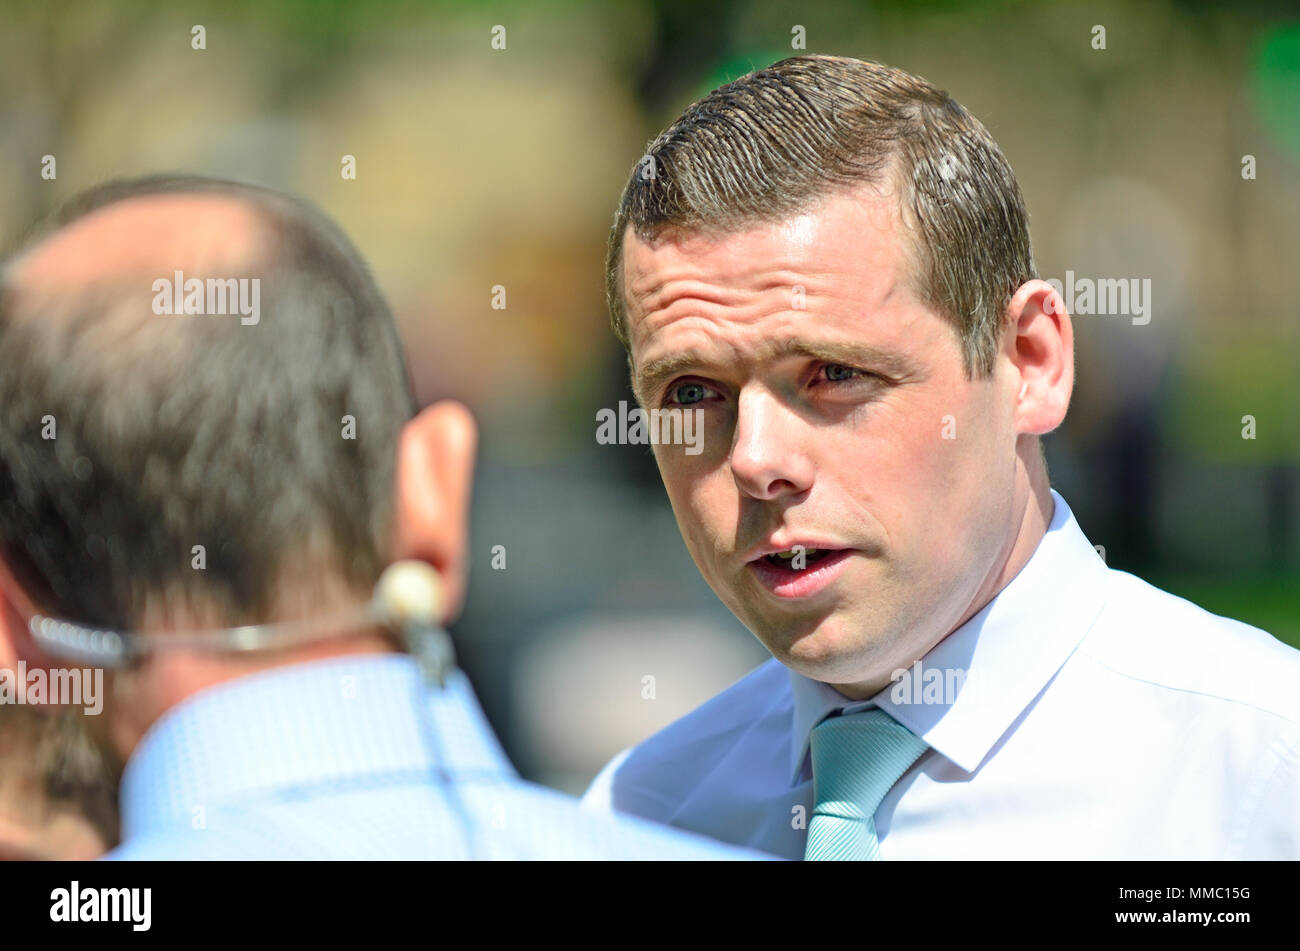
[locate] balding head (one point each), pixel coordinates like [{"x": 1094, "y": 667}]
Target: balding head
[
  {"x": 113, "y": 254},
  {"x": 150, "y": 459},
  {"x": 145, "y": 236}
]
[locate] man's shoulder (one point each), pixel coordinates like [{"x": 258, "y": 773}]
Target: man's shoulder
[
  {"x": 649, "y": 779},
  {"x": 507, "y": 819},
  {"x": 1148, "y": 634}
]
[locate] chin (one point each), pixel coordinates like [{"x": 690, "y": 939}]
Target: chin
[{"x": 831, "y": 650}]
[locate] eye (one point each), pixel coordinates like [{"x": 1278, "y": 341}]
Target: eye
[
  {"x": 837, "y": 372},
  {"x": 684, "y": 394}
]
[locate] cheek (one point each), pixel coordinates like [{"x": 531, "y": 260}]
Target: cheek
[
  {"x": 959, "y": 440},
  {"x": 698, "y": 495},
  {"x": 969, "y": 469},
  {"x": 983, "y": 454},
  {"x": 926, "y": 469}
]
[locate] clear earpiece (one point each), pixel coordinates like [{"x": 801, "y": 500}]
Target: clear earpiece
[{"x": 408, "y": 600}]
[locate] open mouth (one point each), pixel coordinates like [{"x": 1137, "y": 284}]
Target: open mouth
[
  {"x": 799, "y": 572},
  {"x": 799, "y": 559}
]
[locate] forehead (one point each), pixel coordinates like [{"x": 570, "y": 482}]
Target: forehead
[
  {"x": 848, "y": 257},
  {"x": 850, "y": 243}
]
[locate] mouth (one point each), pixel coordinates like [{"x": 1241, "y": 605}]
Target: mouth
[{"x": 800, "y": 571}]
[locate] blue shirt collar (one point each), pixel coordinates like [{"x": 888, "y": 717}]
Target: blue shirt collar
[
  {"x": 346, "y": 720},
  {"x": 1008, "y": 650}
]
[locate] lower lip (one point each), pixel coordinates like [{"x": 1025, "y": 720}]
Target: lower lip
[{"x": 787, "y": 583}]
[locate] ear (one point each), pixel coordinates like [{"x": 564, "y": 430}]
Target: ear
[
  {"x": 9, "y": 626},
  {"x": 16, "y": 610},
  {"x": 1039, "y": 343},
  {"x": 435, "y": 473}
]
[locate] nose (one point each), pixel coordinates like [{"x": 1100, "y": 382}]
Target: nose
[{"x": 768, "y": 452}]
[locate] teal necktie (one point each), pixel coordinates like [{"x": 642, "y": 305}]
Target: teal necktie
[{"x": 855, "y": 759}]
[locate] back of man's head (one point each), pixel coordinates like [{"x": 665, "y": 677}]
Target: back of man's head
[{"x": 154, "y": 463}]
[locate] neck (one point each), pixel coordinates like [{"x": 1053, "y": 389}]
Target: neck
[
  {"x": 1031, "y": 515},
  {"x": 139, "y": 697}
]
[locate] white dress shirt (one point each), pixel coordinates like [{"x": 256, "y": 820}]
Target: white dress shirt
[{"x": 1098, "y": 717}]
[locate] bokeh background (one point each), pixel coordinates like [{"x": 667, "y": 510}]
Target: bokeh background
[{"x": 479, "y": 167}]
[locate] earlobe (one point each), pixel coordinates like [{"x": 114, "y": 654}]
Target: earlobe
[{"x": 435, "y": 474}]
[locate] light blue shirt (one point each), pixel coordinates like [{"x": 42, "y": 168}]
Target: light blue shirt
[
  {"x": 1094, "y": 717},
  {"x": 354, "y": 758}
]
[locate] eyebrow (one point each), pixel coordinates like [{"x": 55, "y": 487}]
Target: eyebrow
[{"x": 885, "y": 362}]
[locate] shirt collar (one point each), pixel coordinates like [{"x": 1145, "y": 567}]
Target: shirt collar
[
  {"x": 345, "y": 720},
  {"x": 1009, "y": 650}
]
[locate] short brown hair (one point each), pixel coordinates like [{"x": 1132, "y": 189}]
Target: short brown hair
[{"x": 765, "y": 146}]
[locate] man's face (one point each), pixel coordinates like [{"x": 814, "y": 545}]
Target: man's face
[{"x": 837, "y": 416}]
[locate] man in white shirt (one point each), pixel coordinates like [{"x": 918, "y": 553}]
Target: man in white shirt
[{"x": 828, "y": 262}]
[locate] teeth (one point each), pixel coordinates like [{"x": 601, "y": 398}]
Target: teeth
[{"x": 787, "y": 555}]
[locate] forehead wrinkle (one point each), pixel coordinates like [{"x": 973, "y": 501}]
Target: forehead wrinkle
[
  {"x": 767, "y": 292},
  {"x": 679, "y": 279},
  {"x": 741, "y": 272},
  {"x": 788, "y": 340},
  {"x": 658, "y": 291},
  {"x": 725, "y": 259},
  {"x": 840, "y": 214},
  {"x": 770, "y": 297}
]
